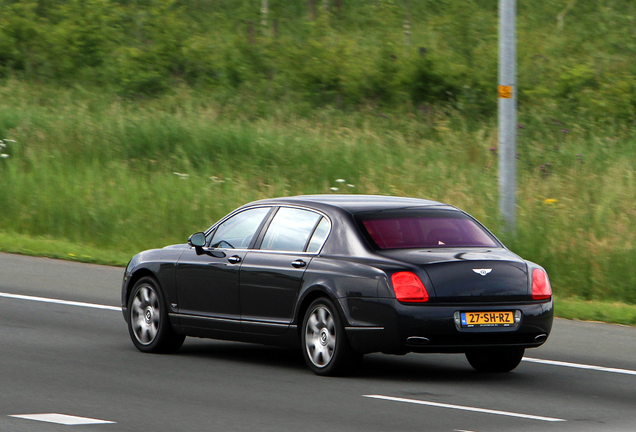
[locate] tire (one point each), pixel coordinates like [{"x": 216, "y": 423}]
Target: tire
[
  {"x": 148, "y": 322},
  {"x": 502, "y": 359},
  {"x": 325, "y": 346}
]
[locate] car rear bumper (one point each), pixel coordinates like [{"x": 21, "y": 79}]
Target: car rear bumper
[{"x": 400, "y": 328}]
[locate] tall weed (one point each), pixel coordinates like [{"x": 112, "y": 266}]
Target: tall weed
[{"x": 94, "y": 169}]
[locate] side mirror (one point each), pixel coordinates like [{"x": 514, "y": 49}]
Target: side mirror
[{"x": 197, "y": 240}]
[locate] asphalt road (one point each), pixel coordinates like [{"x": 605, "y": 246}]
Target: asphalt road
[{"x": 78, "y": 361}]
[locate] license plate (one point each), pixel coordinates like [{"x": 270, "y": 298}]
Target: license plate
[{"x": 488, "y": 319}]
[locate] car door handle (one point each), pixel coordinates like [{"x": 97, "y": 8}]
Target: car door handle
[
  {"x": 298, "y": 263},
  {"x": 234, "y": 259}
]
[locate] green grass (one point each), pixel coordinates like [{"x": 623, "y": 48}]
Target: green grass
[
  {"x": 610, "y": 312},
  {"x": 93, "y": 170},
  {"x": 60, "y": 249}
]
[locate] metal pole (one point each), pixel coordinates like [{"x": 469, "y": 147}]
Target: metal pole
[
  {"x": 264, "y": 13},
  {"x": 407, "y": 23},
  {"x": 507, "y": 113}
]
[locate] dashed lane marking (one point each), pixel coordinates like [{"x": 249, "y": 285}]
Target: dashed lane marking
[
  {"x": 61, "y": 419},
  {"x": 465, "y": 408},
  {"x": 579, "y": 366},
  {"x": 57, "y": 301}
]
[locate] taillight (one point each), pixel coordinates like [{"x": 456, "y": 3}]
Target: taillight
[
  {"x": 541, "y": 289},
  {"x": 408, "y": 287}
]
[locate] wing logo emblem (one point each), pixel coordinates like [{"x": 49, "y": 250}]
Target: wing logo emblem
[{"x": 482, "y": 272}]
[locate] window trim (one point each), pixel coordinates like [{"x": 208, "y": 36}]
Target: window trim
[
  {"x": 257, "y": 246},
  {"x": 265, "y": 220},
  {"x": 313, "y": 232}
]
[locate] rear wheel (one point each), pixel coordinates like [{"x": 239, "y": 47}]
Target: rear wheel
[
  {"x": 325, "y": 345},
  {"x": 501, "y": 359},
  {"x": 148, "y": 322}
]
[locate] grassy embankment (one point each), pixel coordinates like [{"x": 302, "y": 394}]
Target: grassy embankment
[
  {"x": 97, "y": 179},
  {"x": 232, "y": 112}
]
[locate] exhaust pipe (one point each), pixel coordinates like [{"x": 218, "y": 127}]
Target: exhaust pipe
[{"x": 417, "y": 340}]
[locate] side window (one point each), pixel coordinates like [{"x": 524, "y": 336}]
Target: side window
[
  {"x": 319, "y": 236},
  {"x": 238, "y": 231},
  {"x": 290, "y": 229}
]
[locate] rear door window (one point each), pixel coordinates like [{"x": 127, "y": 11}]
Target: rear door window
[
  {"x": 290, "y": 230},
  {"x": 319, "y": 237}
]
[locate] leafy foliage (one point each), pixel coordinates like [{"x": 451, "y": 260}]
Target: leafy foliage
[{"x": 576, "y": 55}]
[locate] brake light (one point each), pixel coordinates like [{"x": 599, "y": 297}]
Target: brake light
[
  {"x": 541, "y": 289},
  {"x": 408, "y": 287}
]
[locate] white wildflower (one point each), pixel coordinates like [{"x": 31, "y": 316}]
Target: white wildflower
[
  {"x": 340, "y": 181},
  {"x": 350, "y": 185},
  {"x": 335, "y": 189},
  {"x": 4, "y": 155}
]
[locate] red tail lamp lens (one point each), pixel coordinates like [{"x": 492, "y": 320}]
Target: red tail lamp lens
[
  {"x": 541, "y": 289},
  {"x": 408, "y": 287}
]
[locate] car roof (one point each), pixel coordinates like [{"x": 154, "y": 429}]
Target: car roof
[{"x": 354, "y": 203}]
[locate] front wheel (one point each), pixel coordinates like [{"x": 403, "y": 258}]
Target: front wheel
[
  {"x": 148, "y": 322},
  {"x": 503, "y": 359},
  {"x": 325, "y": 345}
]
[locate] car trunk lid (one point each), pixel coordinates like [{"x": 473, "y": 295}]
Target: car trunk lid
[{"x": 470, "y": 276}]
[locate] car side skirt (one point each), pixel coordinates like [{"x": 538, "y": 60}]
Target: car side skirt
[{"x": 231, "y": 330}]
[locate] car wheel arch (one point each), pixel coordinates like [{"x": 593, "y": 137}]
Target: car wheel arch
[
  {"x": 308, "y": 297},
  {"x": 138, "y": 274}
]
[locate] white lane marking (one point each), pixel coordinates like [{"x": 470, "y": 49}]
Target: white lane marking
[
  {"x": 118, "y": 309},
  {"x": 64, "y": 302},
  {"x": 579, "y": 366},
  {"x": 61, "y": 419},
  {"x": 465, "y": 408}
]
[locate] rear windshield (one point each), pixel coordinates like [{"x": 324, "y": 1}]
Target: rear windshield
[{"x": 405, "y": 229}]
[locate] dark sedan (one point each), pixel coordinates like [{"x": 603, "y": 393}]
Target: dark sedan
[{"x": 342, "y": 276}]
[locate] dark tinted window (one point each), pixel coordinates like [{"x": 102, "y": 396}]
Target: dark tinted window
[
  {"x": 424, "y": 229},
  {"x": 290, "y": 230},
  {"x": 238, "y": 231}
]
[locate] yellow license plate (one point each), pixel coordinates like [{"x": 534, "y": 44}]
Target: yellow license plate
[{"x": 488, "y": 319}]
